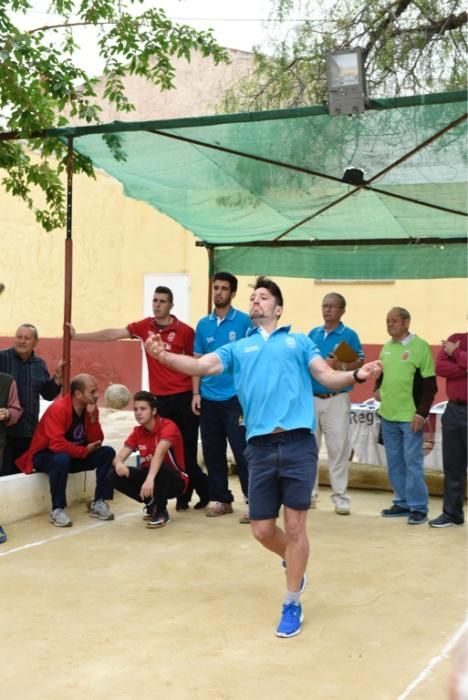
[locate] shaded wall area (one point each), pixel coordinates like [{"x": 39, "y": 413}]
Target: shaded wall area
[{"x": 120, "y": 362}]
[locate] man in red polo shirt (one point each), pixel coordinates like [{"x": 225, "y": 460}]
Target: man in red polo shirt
[
  {"x": 173, "y": 389},
  {"x": 160, "y": 474}
]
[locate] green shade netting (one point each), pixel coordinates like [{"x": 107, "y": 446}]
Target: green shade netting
[{"x": 233, "y": 200}]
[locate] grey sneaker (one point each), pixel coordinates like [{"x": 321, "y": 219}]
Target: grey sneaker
[
  {"x": 59, "y": 518},
  {"x": 100, "y": 509}
]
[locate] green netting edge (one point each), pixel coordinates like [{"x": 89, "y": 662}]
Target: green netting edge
[
  {"x": 385, "y": 103},
  {"x": 413, "y": 261}
]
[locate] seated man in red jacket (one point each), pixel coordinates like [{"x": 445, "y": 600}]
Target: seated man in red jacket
[
  {"x": 68, "y": 439},
  {"x": 161, "y": 471}
]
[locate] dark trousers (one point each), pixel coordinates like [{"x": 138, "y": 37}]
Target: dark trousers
[
  {"x": 58, "y": 465},
  {"x": 178, "y": 407},
  {"x": 220, "y": 421},
  {"x": 167, "y": 484},
  {"x": 15, "y": 447},
  {"x": 454, "y": 453}
]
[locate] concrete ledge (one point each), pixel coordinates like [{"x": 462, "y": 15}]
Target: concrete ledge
[
  {"x": 25, "y": 495},
  {"x": 370, "y": 476}
]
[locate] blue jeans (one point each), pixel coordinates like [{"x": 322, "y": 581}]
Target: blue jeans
[
  {"x": 58, "y": 465},
  {"x": 219, "y": 422},
  {"x": 405, "y": 461}
]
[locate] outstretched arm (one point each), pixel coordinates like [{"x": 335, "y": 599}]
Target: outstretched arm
[
  {"x": 335, "y": 380},
  {"x": 193, "y": 366},
  {"x": 105, "y": 335}
]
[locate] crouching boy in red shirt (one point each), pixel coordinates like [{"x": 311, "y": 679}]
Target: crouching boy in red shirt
[{"x": 160, "y": 474}]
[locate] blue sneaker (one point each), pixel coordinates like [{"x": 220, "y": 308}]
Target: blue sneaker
[
  {"x": 303, "y": 580},
  {"x": 3, "y": 535},
  {"x": 291, "y": 621}
]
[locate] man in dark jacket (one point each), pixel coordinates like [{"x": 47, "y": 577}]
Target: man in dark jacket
[
  {"x": 33, "y": 380},
  {"x": 68, "y": 439}
]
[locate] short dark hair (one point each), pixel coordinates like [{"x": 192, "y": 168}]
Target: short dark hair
[
  {"x": 339, "y": 297},
  {"x": 403, "y": 313},
  {"x": 272, "y": 287},
  {"x": 77, "y": 384},
  {"x": 164, "y": 290},
  {"x": 148, "y": 397},
  {"x": 227, "y": 277}
]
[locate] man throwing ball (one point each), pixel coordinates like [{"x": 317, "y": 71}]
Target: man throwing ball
[{"x": 272, "y": 370}]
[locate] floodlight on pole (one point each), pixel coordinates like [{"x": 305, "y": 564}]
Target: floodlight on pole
[{"x": 346, "y": 82}]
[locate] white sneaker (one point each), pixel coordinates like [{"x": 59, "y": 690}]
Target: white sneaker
[
  {"x": 59, "y": 518},
  {"x": 342, "y": 508}
]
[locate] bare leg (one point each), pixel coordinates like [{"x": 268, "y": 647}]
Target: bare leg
[
  {"x": 292, "y": 545},
  {"x": 270, "y": 535},
  {"x": 297, "y": 547}
]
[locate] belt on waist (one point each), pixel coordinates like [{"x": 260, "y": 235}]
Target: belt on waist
[
  {"x": 327, "y": 396},
  {"x": 280, "y": 435},
  {"x": 457, "y": 402}
]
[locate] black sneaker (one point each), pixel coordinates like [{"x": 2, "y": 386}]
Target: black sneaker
[
  {"x": 182, "y": 506},
  {"x": 444, "y": 521},
  {"x": 159, "y": 518},
  {"x": 395, "y": 512},
  {"x": 417, "y": 517}
]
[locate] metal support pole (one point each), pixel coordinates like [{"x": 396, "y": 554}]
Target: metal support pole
[
  {"x": 68, "y": 270},
  {"x": 210, "y": 250}
]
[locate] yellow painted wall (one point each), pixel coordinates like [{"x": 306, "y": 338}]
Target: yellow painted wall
[
  {"x": 438, "y": 307},
  {"x": 117, "y": 240}
]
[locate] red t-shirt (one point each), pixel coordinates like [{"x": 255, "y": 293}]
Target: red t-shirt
[
  {"x": 178, "y": 337},
  {"x": 146, "y": 441}
]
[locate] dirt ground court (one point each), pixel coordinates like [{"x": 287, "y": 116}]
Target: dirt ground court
[{"x": 114, "y": 610}]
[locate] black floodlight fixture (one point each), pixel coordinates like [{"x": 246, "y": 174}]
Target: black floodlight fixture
[{"x": 346, "y": 82}]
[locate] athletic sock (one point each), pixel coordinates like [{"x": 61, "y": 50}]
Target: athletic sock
[{"x": 292, "y": 597}]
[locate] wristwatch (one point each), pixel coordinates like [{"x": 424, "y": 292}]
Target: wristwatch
[{"x": 356, "y": 378}]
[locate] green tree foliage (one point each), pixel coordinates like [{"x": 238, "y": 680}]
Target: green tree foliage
[
  {"x": 41, "y": 86},
  {"x": 409, "y": 47}
]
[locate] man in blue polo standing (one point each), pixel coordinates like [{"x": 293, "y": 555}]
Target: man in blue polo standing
[
  {"x": 332, "y": 407},
  {"x": 271, "y": 369},
  {"x": 215, "y": 399}
]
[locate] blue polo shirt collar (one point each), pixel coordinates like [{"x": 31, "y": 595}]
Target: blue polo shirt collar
[
  {"x": 256, "y": 329},
  {"x": 229, "y": 316},
  {"x": 338, "y": 330}
]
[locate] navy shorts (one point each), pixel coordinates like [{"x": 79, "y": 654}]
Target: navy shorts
[{"x": 282, "y": 469}]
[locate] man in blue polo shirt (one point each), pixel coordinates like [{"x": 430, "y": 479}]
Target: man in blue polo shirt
[
  {"x": 215, "y": 400},
  {"x": 332, "y": 407},
  {"x": 272, "y": 370}
]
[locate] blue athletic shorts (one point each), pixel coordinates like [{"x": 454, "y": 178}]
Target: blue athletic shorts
[{"x": 282, "y": 469}]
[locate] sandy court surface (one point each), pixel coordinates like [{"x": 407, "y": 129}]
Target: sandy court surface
[{"x": 114, "y": 610}]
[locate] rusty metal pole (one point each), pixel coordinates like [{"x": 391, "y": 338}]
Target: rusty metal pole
[
  {"x": 210, "y": 250},
  {"x": 68, "y": 270}
]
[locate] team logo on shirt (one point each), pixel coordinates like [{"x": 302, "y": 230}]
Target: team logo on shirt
[
  {"x": 252, "y": 348},
  {"x": 171, "y": 337},
  {"x": 290, "y": 342},
  {"x": 405, "y": 355},
  {"x": 232, "y": 336}
]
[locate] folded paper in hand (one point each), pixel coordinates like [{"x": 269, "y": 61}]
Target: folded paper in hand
[{"x": 345, "y": 353}]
